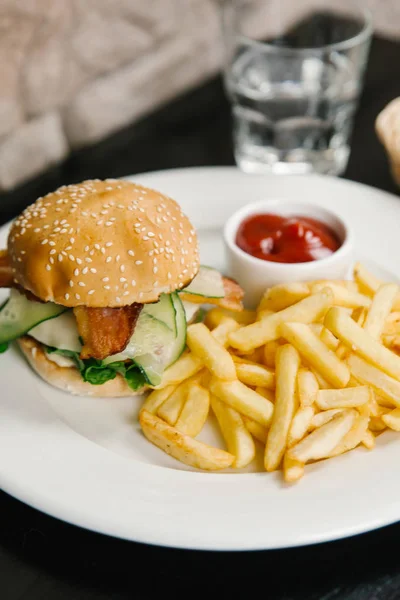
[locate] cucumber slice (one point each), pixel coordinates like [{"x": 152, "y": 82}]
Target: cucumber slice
[
  {"x": 208, "y": 283},
  {"x": 19, "y": 315},
  {"x": 163, "y": 310},
  {"x": 153, "y": 346}
]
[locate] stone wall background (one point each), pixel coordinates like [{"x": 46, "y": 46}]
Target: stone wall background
[{"x": 74, "y": 71}]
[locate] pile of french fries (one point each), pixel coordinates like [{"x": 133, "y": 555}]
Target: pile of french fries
[{"x": 311, "y": 374}]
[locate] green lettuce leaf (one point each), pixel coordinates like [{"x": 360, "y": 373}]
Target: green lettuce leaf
[
  {"x": 96, "y": 372},
  {"x": 3, "y": 347}
]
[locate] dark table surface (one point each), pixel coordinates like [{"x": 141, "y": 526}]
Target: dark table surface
[{"x": 42, "y": 558}]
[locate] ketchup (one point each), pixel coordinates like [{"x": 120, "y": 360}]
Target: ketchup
[{"x": 293, "y": 239}]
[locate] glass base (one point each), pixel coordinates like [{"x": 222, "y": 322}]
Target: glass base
[{"x": 296, "y": 162}]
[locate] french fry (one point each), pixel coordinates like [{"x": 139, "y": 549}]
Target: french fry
[
  {"x": 392, "y": 419},
  {"x": 255, "y": 375},
  {"x": 316, "y": 353},
  {"x": 195, "y": 410},
  {"x": 170, "y": 410},
  {"x": 270, "y": 349},
  {"x": 366, "y": 281},
  {"x": 307, "y": 387},
  {"x": 392, "y": 324},
  {"x": 322, "y": 441},
  {"x": 368, "y": 440},
  {"x": 243, "y": 399},
  {"x": 268, "y": 329},
  {"x": 262, "y": 314},
  {"x": 217, "y": 315},
  {"x": 300, "y": 424},
  {"x": 342, "y": 296},
  {"x": 186, "y": 366},
  {"x": 181, "y": 446},
  {"x": 347, "y": 398},
  {"x": 346, "y": 283},
  {"x": 287, "y": 366},
  {"x": 323, "y": 417},
  {"x": 222, "y": 331},
  {"x": 386, "y": 387},
  {"x": 362, "y": 343},
  {"x": 266, "y": 393},
  {"x": 236, "y": 435},
  {"x": 353, "y": 438},
  {"x": 379, "y": 310},
  {"x": 376, "y": 424},
  {"x": 293, "y": 470},
  {"x": 329, "y": 339},
  {"x": 257, "y": 431},
  {"x": 256, "y": 356},
  {"x": 281, "y": 296},
  {"x": 156, "y": 398},
  {"x": 214, "y": 356},
  {"x": 322, "y": 382}
]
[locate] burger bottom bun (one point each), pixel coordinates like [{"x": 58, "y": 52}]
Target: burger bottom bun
[{"x": 69, "y": 379}]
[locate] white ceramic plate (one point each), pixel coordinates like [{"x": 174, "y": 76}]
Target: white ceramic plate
[{"x": 85, "y": 461}]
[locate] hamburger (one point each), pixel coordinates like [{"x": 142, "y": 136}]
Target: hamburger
[{"x": 104, "y": 277}]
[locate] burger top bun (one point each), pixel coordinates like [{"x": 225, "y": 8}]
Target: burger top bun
[{"x": 103, "y": 244}]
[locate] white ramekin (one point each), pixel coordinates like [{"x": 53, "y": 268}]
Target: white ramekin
[{"x": 256, "y": 275}]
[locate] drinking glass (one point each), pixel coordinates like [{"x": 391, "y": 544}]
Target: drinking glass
[{"x": 293, "y": 71}]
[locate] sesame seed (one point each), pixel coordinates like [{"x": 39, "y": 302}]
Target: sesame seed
[
  {"x": 138, "y": 262},
  {"x": 51, "y": 243},
  {"x": 51, "y": 252},
  {"x": 103, "y": 250},
  {"x": 48, "y": 268},
  {"x": 106, "y": 287},
  {"x": 36, "y": 230},
  {"x": 66, "y": 296},
  {"x": 133, "y": 282},
  {"x": 108, "y": 259},
  {"x": 76, "y": 272},
  {"x": 88, "y": 260},
  {"x": 99, "y": 222},
  {"x": 77, "y": 296},
  {"x": 97, "y": 246},
  {"x": 155, "y": 261},
  {"x": 104, "y": 212},
  {"x": 126, "y": 293},
  {"x": 145, "y": 238},
  {"x": 79, "y": 261},
  {"x": 87, "y": 248},
  {"x": 122, "y": 268},
  {"x": 85, "y": 270},
  {"x": 71, "y": 257},
  {"x": 90, "y": 292},
  {"x": 81, "y": 284},
  {"x": 71, "y": 283},
  {"x": 91, "y": 252},
  {"x": 60, "y": 258},
  {"x": 117, "y": 258},
  {"x": 122, "y": 279},
  {"x": 117, "y": 299},
  {"x": 169, "y": 276},
  {"x": 109, "y": 244},
  {"x": 108, "y": 223},
  {"x": 63, "y": 230},
  {"x": 105, "y": 279},
  {"x": 46, "y": 241},
  {"x": 51, "y": 260},
  {"x": 92, "y": 270},
  {"x": 150, "y": 234},
  {"x": 155, "y": 269},
  {"x": 57, "y": 229}
]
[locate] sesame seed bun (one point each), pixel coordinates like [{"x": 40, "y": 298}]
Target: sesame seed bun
[
  {"x": 103, "y": 244},
  {"x": 69, "y": 379}
]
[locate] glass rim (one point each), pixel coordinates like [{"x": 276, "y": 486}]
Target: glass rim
[{"x": 359, "y": 38}]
